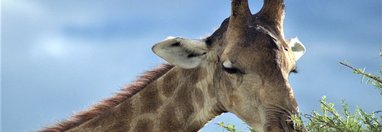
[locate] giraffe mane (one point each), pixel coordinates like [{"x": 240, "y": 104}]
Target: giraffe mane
[{"x": 105, "y": 105}]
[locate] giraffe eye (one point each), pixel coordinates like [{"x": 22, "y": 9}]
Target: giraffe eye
[{"x": 232, "y": 70}]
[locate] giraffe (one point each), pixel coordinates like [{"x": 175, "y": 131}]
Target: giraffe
[{"x": 242, "y": 68}]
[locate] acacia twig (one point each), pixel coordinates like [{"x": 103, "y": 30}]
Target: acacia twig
[{"x": 375, "y": 78}]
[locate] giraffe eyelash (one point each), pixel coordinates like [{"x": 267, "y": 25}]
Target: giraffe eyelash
[{"x": 294, "y": 70}]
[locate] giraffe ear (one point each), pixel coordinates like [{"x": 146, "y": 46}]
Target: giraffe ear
[
  {"x": 297, "y": 47},
  {"x": 185, "y": 53}
]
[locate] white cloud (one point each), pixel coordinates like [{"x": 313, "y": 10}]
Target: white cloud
[
  {"x": 59, "y": 47},
  {"x": 53, "y": 46}
]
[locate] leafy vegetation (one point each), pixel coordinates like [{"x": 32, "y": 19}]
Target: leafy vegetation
[{"x": 330, "y": 120}]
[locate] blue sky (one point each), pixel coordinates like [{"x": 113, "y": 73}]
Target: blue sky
[{"x": 59, "y": 57}]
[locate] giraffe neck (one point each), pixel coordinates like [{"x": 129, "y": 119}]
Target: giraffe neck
[{"x": 180, "y": 100}]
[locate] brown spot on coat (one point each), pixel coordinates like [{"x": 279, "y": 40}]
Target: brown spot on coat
[
  {"x": 169, "y": 83},
  {"x": 183, "y": 102},
  {"x": 117, "y": 115},
  {"x": 199, "y": 97},
  {"x": 124, "y": 117},
  {"x": 168, "y": 120},
  {"x": 194, "y": 126},
  {"x": 211, "y": 91},
  {"x": 144, "y": 125},
  {"x": 150, "y": 99}
]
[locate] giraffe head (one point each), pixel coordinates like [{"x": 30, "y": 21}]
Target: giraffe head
[{"x": 248, "y": 62}]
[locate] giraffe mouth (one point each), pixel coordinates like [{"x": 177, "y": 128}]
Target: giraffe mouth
[{"x": 281, "y": 117}]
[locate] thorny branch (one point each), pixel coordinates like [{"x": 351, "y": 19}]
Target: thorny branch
[{"x": 363, "y": 73}]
